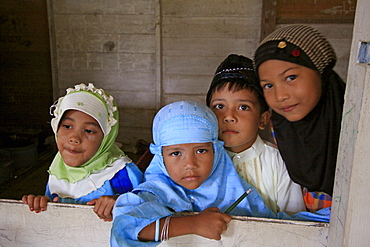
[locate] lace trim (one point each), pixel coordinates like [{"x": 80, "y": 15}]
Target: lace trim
[
  {"x": 90, "y": 87},
  {"x": 234, "y": 69}
]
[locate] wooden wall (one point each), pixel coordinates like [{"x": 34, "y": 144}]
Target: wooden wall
[
  {"x": 112, "y": 44},
  {"x": 77, "y": 225},
  {"x": 148, "y": 53},
  {"x": 350, "y": 214},
  {"x": 25, "y": 68}
]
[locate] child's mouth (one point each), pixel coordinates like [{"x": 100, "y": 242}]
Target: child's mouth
[
  {"x": 288, "y": 108},
  {"x": 191, "y": 178},
  {"x": 71, "y": 151},
  {"x": 229, "y": 132}
]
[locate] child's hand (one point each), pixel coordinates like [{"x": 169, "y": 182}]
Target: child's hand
[
  {"x": 210, "y": 223},
  {"x": 36, "y": 203},
  {"x": 103, "y": 206}
]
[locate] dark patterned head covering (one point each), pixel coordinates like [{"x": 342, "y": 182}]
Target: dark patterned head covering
[
  {"x": 309, "y": 146},
  {"x": 298, "y": 44},
  {"x": 236, "y": 72}
]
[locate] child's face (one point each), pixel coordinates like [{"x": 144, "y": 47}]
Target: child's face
[
  {"x": 290, "y": 90},
  {"x": 189, "y": 165},
  {"x": 79, "y": 137},
  {"x": 239, "y": 118}
]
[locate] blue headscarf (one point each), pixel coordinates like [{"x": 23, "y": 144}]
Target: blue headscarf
[
  {"x": 192, "y": 122},
  {"x": 179, "y": 123}
]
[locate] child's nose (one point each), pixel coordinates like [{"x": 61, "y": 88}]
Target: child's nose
[
  {"x": 74, "y": 140},
  {"x": 281, "y": 94},
  {"x": 190, "y": 163},
  {"x": 229, "y": 117}
]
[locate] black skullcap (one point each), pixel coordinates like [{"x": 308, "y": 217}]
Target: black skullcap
[
  {"x": 234, "y": 67},
  {"x": 299, "y": 44},
  {"x": 239, "y": 72}
]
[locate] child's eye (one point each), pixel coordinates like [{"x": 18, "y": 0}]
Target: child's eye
[
  {"x": 267, "y": 86},
  {"x": 202, "y": 151},
  {"x": 67, "y": 126},
  {"x": 218, "y": 106},
  {"x": 291, "y": 78},
  {"x": 89, "y": 131},
  {"x": 177, "y": 153},
  {"x": 244, "y": 107}
]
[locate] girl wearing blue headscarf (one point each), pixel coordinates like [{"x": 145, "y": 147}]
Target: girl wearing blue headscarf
[{"x": 190, "y": 172}]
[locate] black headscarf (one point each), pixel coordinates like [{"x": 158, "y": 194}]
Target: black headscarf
[{"x": 309, "y": 146}]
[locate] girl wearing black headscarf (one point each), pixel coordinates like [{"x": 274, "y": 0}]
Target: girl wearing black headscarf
[{"x": 294, "y": 65}]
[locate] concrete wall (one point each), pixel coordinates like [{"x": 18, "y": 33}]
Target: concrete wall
[
  {"x": 148, "y": 53},
  {"x": 77, "y": 225}
]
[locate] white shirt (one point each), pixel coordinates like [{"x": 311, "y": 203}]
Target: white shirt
[
  {"x": 90, "y": 183},
  {"x": 262, "y": 166}
]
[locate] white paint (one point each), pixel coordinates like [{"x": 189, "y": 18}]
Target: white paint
[
  {"x": 77, "y": 225},
  {"x": 350, "y": 219},
  {"x": 60, "y": 225}
]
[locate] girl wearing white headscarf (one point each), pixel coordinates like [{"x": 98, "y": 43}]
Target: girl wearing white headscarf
[{"x": 109, "y": 171}]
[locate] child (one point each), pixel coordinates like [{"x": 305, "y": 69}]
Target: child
[
  {"x": 294, "y": 66},
  {"x": 190, "y": 172},
  {"x": 89, "y": 168},
  {"x": 237, "y": 100}
]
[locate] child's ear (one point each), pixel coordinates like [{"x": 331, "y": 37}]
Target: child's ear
[{"x": 265, "y": 118}]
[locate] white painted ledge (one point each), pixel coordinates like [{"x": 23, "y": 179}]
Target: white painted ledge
[{"x": 77, "y": 225}]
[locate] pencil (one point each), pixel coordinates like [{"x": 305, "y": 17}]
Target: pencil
[{"x": 238, "y": 201}]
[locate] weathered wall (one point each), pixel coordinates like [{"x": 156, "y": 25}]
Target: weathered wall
[
  {"x": 112, "y": 44},
  {"x": 197, "y": 36},
  {"x": 25, "y": 71},
  {"x": 77, "y": 225},
  {"x": 148, "y": 53}
]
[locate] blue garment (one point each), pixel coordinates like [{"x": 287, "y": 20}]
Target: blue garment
[
  {"x": 123, "y": 181},
  {"x": 180, "y": 123}
]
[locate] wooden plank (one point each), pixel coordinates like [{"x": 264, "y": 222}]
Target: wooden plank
[
  {"x": 313, "y": 11},
  {"x": 350, "y": 219},
  {"x": 61, "y": 225},
  {"x": 211, "y": 8},
  {"x": 268, "y": 19},
  {"x": 77, "y": 225}
]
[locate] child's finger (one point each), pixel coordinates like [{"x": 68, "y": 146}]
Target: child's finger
[
  {"x": 224, "y": 226},
  {"x": 226, "y": 217},
  {"x": 108, "y": 213},
  {"x": 98, "y": 208},
  {"x": 92, "y": 202},
  {"x": 29, "y": 201},
  {"x": 104, "y": 211},
  {"x": 36, "y": 204},
  {"x": 24, "y": 199},
  {"x": 213, "y": 209},
  {"x": 43, "y": 203}
]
